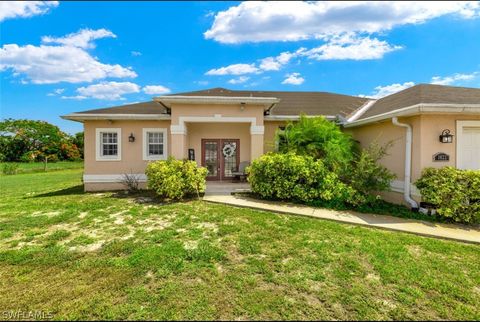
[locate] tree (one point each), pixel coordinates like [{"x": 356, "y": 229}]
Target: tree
[
  {"x": 77, "y": 139},
  {"x": 319, "y": 138},
  {"x": 31, "y": 140}
]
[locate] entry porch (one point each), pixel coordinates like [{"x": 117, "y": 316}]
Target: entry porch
[{"x": 222, "y": 147}]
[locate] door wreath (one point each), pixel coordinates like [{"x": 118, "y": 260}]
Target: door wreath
[{"x": 228, "y": 150}]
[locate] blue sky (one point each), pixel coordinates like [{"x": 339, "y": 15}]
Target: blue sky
[{"x": 58, "y": 58}]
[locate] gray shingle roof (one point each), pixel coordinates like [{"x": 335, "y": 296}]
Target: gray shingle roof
[
  {"x": 150, "y": 107},
  {"x": 294, "y": 103},
  {"x": 321, "y": 103},
  {"x": 424, "y": 93}
]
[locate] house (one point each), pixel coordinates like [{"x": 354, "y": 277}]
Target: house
[{"x": 219, "y": 128}]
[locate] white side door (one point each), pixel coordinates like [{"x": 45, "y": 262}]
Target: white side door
[{"x": 468, "y": 145}]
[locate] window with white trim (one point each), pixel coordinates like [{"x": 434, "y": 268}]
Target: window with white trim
[
  {"x": 108, "y": 147},
  {"x": 154, "y": 144}
]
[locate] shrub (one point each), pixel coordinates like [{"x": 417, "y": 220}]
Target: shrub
[
  {"x": 176, "y": 179},
  {"x": 9, "y": 168},
  {"x": 455, "y": 193},
  {"x": 367, "y": 176},
  {"x": 130, "y": 182},
  {"x": 319, "y": 138},
  {"x": 288, "y": 176}
]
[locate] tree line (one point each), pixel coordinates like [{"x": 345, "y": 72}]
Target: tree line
[{"x": 37, "y": 141}]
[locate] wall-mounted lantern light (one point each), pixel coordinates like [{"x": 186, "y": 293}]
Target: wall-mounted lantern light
[
  {"x": 242, "y": 106},
  {"x": 446, "y": 137},
  {"x": 131, "y": 138}
]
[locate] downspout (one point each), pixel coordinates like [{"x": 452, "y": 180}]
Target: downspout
[{"x": 408, "y": 163}]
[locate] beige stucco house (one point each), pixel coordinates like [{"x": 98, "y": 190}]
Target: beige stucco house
[{"x": 220, "y": 128}]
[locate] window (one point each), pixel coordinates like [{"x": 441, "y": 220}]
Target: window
[
  {"x": 108, "y": 144},
  {"x": 154, "y": 144}
]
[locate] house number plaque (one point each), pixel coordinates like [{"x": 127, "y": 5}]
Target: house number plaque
[{"x": 441, "y": 157}]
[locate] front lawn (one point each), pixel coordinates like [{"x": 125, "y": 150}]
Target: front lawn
[
  {"x": 106, "y": 256},
  {"x": 30, "y": 167}
]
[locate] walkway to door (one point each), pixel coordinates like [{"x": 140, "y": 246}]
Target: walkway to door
[
  {"x": 219, "y": 188},
  {"x": 424, "y": 228}
]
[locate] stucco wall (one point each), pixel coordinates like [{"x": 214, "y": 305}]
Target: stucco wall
[
  {"x": 426, "y": 131},
  {"x": 383, "y": 133},
  {"x": 224, "y": 114},
  {"x": 225, "y": 110},
  {"x": 269, "y": 136},
  {"x": 132, "y": 153},
  {"x": 432, "y": 127}
]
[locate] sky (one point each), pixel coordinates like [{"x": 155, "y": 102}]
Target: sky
[{"x": 62, "y": 57}]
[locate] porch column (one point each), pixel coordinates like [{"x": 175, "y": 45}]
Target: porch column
[
  {"x": 256, "y": 141},
  {"x": 178, "y": 142}
]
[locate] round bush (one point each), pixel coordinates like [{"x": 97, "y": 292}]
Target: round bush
[
  {"x": 176, "y": 179},
  {"x": 455, "y": 193},
  {"x": 288, "y": 176}
]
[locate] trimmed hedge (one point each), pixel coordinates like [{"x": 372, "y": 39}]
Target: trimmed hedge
[
  {"x": 176, "y": 179},
  {"x": 454, "y": 192},
  {"x": 288, "y": 176}
]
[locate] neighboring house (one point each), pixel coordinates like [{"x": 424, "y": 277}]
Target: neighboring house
[{"x": 219, "y": 128}]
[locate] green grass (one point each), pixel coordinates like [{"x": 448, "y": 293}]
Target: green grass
[
  {"x": 32, "y": 167},
  {"x": 107, "y": 256},
  {"x": 379, "y": 207}
]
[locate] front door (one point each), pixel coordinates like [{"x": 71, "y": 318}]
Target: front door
[{"x": 220, "y": 157}]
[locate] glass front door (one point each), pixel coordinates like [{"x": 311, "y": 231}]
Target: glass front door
[{"x": 220, "y": 157}]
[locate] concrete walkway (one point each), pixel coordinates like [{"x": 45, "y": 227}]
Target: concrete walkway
[
  {"x": 215, "y": 188},
  {"x": 424, "y": 228}
]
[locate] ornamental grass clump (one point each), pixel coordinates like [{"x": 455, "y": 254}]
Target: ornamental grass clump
[{"x": 176, "y": 179}]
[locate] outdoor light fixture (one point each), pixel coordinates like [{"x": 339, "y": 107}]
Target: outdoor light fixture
[
  {"x": 242, "y": 106},
  {"x": 131, "y": 138},
  {"x": 446, "y": 137}
]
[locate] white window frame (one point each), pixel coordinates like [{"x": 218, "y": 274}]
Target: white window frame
[
  {"x": 147, "y": 157},
  {"x": 98, "y": 137},
  {"x": 459, "y": 141}
]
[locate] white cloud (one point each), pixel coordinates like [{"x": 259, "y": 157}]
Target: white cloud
[
  {"x": 83, "y": 38},
  {"x": 235, "y": 69},
  {"x": 135, "y": 53},
  {"x": 453, "y": 79},
  {"x": 339, "y": 47},
  {"x": 239, "y": 80},
  {"x": 270, "y": 63},
  {"x": 293, "y": 79},
  {"x": 351, "y": 47},
  {"x": 47, "y": 64},
  {"x": 23, "y": 9},
  {"x": 75, "y": 97},
  {"x": 156, "y": 89},
  {"x": 257, "y": 21},
  {"x": 276, "y": 63},
  {"x": 382, "y": 91},
  {"x": 57, "y": 91},
  {"x": 106, "y": 91}
]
